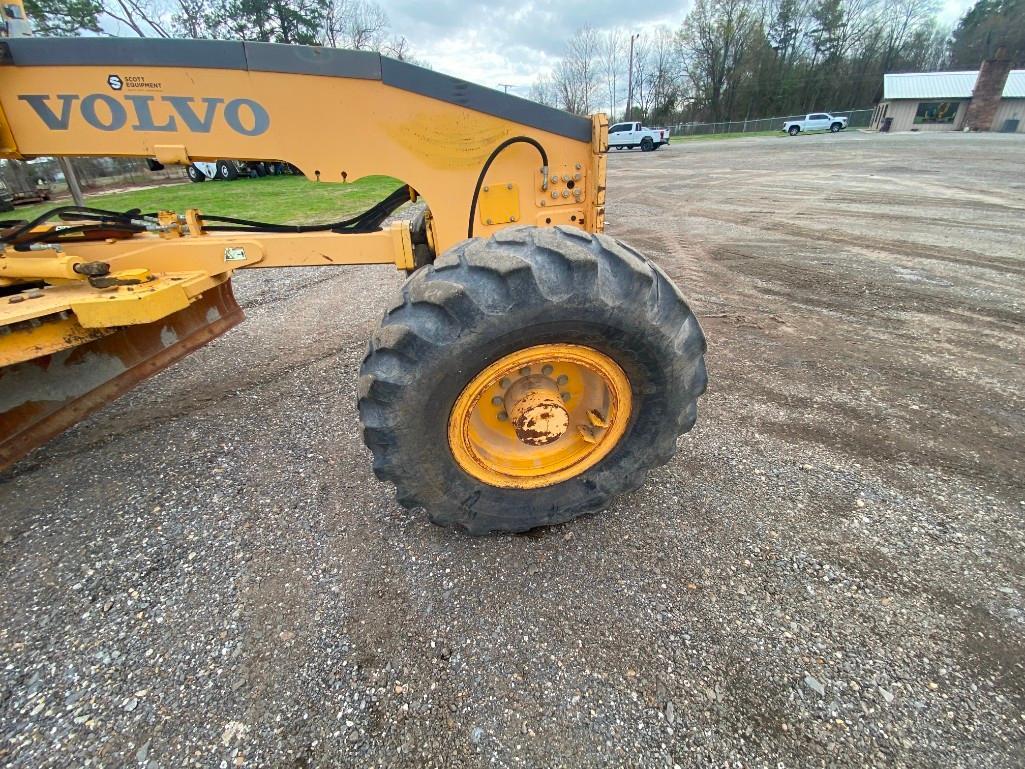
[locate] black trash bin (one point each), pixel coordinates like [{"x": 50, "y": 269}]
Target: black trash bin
[{"x": 885, "y": 127}]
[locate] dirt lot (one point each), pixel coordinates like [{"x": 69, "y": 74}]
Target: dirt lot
[{"x": 829, "y": 573}]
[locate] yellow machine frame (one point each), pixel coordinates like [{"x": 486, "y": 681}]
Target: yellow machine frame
[{"x": 336, "y": 115}]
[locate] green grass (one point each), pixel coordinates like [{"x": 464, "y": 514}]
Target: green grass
[
  {"x": 717, "y": 137},
  {"x": 277, "y": 199}
]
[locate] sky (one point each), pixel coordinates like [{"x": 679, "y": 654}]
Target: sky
[{"x": 484, "y": 44}]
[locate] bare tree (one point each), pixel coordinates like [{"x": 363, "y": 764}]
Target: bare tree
[
  {"x": 713, "y": 41},
  {"x": 361, "y": 25},
  {"x": 576, "y": 76},
  {"x": 190, "y": 21},
  {"x": 143, "y": 17},
  {"x": 665, "y": 75},
  {"x": 902, "y": 19},
  {"x": 612, "y": 50},
  {"x": 641, "y": 77},
  {"x": 543, "y": 91}
]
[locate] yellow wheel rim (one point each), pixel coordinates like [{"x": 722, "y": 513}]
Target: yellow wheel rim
[{"x": 539, "y": 416}]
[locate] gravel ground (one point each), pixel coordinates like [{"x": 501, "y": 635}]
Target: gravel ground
[{"x": 830, "y": 573}]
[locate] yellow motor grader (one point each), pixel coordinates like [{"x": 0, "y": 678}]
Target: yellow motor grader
[{"x": 529, "y": 369}]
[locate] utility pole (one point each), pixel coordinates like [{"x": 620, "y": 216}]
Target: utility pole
[
  {"x": 507, "y": 86},
  {"x": 630, "y": 78},
  {"x": 71, "y": 179}
]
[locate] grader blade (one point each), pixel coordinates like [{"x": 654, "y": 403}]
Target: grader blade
[{"x": 41, "y": 397}]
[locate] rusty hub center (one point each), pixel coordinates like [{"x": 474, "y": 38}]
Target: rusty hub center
[
  {"x": 536, "y": 410},
  {"x": 539, "y": 416}
]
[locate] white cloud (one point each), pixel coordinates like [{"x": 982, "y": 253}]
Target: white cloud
[
  {"x": 485, "y": 44},
  {"x": 952, "y": 10}
]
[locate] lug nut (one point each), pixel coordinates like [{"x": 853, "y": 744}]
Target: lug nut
[
  {"x": 565, "y": 396},
  {"x": 546, "y": 369},
  {"x": 498, "y": 400},
  {"x": 502, "y": 416},
  {"x": 562, "y": 380},
  {"x": 504, "y": 383},
  {"x": 525, "y": 371}
]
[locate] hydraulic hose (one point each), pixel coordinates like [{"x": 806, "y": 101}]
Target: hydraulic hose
[
  {"x": 491, "y": 159},
  {"x": 132, "y": 221}
]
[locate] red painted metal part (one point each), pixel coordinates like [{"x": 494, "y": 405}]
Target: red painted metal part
[{"x": 43, "y": 397}]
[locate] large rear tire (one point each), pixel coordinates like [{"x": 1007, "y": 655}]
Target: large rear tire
[
  {"x": 544, "y": 301},
  {"x": 647, "y": 144}
]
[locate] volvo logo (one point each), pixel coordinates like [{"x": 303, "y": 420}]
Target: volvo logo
[{"x": 142, "y": 112}]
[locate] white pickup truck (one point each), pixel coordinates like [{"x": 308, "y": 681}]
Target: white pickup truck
[
  {"x": 815, "y": 121},
  {"x": 629, "y": 135}
]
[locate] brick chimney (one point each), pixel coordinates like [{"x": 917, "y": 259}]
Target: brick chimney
[{"x": 988, "y": 90}]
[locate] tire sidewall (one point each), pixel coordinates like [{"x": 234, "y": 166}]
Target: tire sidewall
[{"x": 463, "y": 497}]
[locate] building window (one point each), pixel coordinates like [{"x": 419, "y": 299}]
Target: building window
[{"x": 936, "y": 112}]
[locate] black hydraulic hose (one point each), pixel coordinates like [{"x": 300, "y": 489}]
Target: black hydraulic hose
[
  {"x": 128, "y": 221},
  {"x": 55, "y": 236},
  {"x": 367, "y": 221},
  {"x": 66, "y": 213},
  {"x": 491, "y": 159}
]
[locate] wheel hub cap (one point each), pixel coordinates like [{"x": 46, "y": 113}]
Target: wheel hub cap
[
  {"x": 539, "y": 416},
  {"x": 535, "y": 408}
]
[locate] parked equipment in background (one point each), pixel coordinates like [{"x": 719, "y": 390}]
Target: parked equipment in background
[
  {"x": 226, "y": 170},
  {"x": 530, "y": 368},
  {"x": 815, "y": 121},
  {"x": 626, "y": 136}
]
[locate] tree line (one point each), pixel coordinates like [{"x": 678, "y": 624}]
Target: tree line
[
  {"x": 745, "y": 59},
  {"x": 728, "y": 60},
  {"x": 360, "y": 25}
]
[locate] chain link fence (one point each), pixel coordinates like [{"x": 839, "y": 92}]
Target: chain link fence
[
  {"x": 857, "y": 118},
  {"x": 94, "y": 174}
]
